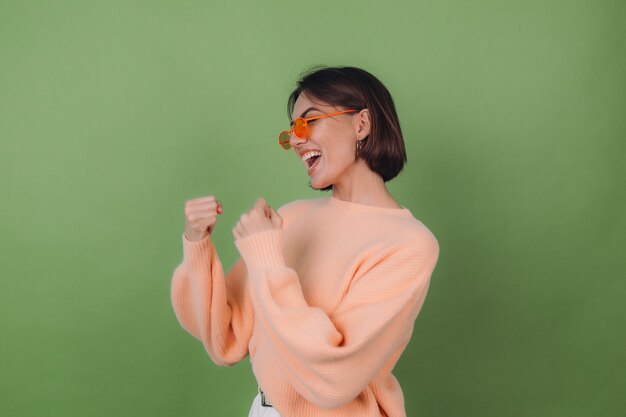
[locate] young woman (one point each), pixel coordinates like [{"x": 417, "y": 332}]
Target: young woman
[{"x": 326, "y": 291}]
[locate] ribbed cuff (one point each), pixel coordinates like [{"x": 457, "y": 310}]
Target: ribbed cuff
[
  {"x": 197, "y": 254},
  {"x": 262, "y": 249}
]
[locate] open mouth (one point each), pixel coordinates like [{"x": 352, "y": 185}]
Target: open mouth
[{"x": 313, "y": 161}]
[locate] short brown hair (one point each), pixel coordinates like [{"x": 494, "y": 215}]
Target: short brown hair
[{"x": 354, "y": 88}]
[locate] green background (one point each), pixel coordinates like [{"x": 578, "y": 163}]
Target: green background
[{"x": 113, "y": 113}]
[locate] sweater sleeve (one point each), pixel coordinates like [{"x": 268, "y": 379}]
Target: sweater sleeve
[
  {"x": 329, "y": 360},
  {"x": 216, "y": 310}
]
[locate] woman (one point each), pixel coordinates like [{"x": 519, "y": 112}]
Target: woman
[{"x": 326, "y": 291}]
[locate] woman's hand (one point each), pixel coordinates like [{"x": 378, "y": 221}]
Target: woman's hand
[
  {"x": 201, "y": 216},
  {"x": 259, "y": 218}
]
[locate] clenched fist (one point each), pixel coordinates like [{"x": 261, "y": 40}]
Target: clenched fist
[
  {"x": 201, "y": 216},
  {"x": 259, "y": 218}
]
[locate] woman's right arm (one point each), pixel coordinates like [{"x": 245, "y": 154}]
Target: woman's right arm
[{"x": 214, "y": 308}]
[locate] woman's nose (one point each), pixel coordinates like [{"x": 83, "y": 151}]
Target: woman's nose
[{"x": 294, "y": 140}]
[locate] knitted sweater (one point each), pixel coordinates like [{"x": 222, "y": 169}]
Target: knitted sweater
[{"x": 324, "y": 306}]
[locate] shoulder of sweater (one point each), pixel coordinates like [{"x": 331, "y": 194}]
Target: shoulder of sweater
[
  {"x": 288, "y": 206},
  {"x": 423, "y": 239},
  {"x": 297, "y": 205},
  {"x": 410, "y": 230}
]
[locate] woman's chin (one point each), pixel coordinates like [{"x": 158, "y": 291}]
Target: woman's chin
[
  {"x": 313, "y": 185},
  {"x": 317, "y": 184},
  {"x": 315, "y": 181}
]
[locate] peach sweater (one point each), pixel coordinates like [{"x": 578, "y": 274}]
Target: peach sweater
[{"x": 324, "y": 307}]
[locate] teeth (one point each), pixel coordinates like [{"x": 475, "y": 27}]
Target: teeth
[{"x": 308, "y": 155}]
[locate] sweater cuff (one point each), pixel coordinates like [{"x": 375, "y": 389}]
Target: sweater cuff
[
  {"x": 262, "y": 249},
  {"x": 197, "y": 253}
]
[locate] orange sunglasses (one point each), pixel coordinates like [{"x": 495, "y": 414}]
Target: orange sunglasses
[{"x": 301, "y": 128}]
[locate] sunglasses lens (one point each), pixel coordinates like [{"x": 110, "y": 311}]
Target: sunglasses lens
[
  {"x": 283, "y": 139},
  {"x": 300, "y": 128}
]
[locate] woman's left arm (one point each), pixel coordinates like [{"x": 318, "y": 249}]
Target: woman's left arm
[{"x": 329, "y": 360}]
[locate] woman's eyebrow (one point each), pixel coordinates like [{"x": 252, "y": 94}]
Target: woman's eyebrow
[{"x": 305, "y": 112}]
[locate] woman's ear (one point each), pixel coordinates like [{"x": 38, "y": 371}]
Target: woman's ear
[{"x": 363, "y": 124}]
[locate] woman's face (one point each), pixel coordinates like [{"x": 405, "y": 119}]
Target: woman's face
[{"x": 334, "y": 136}]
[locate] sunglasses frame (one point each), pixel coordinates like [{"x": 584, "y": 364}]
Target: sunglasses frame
[{"x": 286, "y": 145}]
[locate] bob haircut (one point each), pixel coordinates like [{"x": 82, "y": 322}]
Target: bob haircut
[{"x": 354, "y": 88}]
